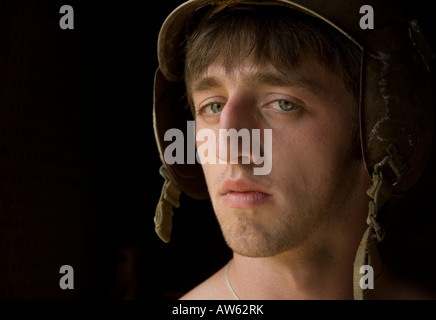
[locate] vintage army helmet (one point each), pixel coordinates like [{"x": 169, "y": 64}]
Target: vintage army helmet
[{"x": 396, "y": 106}]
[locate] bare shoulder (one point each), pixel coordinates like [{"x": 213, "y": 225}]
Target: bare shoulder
[{"x": 213, "y": 288}]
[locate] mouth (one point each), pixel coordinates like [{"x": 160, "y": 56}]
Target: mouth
[{"x": 243, "y": 193}]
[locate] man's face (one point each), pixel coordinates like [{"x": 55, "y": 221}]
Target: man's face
[{"x": 313, "y": 174}]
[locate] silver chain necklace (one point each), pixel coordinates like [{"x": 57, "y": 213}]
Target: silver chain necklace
[{"x": 228, "y": 282}]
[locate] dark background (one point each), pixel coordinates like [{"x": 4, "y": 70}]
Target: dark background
[{"x": 79, "y": 177}]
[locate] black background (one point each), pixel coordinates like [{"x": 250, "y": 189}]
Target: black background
[
  {"x": 102, "y": 89},
  {"x": 117, "y": 42}
]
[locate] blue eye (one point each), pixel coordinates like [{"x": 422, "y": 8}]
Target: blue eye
[
  {"x": 213, "y": 108},
  {"x": 285, "y": 105}
]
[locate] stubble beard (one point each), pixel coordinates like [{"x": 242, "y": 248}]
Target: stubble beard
[{"x": 292, "y": 227}]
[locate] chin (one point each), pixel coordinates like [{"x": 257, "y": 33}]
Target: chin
[
  {"x": 261, "y": 233},
  {"x": 254, "y": 250},
  {"x": 255, "y": 243}
]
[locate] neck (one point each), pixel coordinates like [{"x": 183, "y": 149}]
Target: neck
[{"x": 321, "y": 268}]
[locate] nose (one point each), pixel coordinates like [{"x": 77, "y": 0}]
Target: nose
[{"x": 237, "y": 120}]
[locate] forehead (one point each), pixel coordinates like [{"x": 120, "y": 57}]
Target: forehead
[{"x": 310, "y": 75}]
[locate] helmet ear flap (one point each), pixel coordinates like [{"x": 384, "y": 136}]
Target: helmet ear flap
[
  {"x": 396, "y": 107},
  {"x": 170, "y": 111}
]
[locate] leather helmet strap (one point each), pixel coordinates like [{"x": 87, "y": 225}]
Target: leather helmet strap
[{"x": 169, "y": 198}]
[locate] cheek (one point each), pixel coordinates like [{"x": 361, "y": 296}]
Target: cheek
[
  {"x": 293, "y": 160},
  {"x": 210, "y": 172},
  {"x": 213, "y": 174},
  {"x": 311, "y": 151}
]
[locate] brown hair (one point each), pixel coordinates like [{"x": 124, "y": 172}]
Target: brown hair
[{"x": 275, "y": 34}]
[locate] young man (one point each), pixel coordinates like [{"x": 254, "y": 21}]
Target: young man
[{"x": 285, "y": 69}]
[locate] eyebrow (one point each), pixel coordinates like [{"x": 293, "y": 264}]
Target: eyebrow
[
  {"x": 268, "y": 78},
  {"x": 206, "y": 83}
]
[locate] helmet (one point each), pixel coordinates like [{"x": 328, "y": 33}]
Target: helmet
[{"x": 395, "y": 102}]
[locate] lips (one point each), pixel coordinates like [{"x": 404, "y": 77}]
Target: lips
[{"x": 244, "y": 193}]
